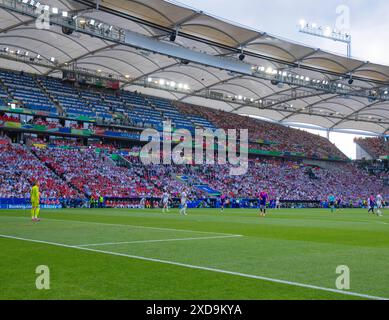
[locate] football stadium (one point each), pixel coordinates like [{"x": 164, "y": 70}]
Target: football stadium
[{"x": 153, "y": 151}]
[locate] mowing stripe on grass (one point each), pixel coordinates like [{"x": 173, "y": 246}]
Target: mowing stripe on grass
[
  {"x": 381, "y": 222},
  {"x": 291, "y": 283},
  {"x": 134, "y": 226},
  {"x": 151, "y": 241}
]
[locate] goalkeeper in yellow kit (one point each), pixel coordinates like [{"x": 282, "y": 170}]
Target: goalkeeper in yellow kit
[{"x": 35, "y": 198}]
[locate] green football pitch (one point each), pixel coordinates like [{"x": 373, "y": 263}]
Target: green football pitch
[{"x": 145, "y": 254}]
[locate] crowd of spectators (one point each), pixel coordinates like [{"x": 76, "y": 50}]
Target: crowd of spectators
[
  {"x": 49, "y": 124},
  {"x": 285, "y": 138},
  {"x": 376, "y": 147},
  {"x": 117, "y": 203},
  {"x": 19, "y": 169},
  {"x": 9, "y": 118},
  {"x": 96, "y": 174},
  {"x": 82, "y": 172},
  {"x": 292, "y": 181},
  {"x": 288, "y": 180},
  {"x": 166, "y": 177},
  {"x": 58, "y": 142},
  {"x": 66, "y": 142}
]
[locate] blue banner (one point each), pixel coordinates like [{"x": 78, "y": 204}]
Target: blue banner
[
  {"x": 127, "y": 135},
  {"x": 14, "y": 203}
]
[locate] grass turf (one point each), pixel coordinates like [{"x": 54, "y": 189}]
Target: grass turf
[{"x": 301, "y": 246}]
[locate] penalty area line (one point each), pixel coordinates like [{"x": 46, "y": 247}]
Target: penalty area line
[
  {"x": 154, "y": 241},
  {"x": 132, "y": 226},
  {"x": 291, "y": 283}
]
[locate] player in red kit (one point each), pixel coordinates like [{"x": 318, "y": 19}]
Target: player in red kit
[{"x": 263, "y": 196}]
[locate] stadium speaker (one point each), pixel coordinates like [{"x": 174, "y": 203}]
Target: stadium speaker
[
  {"x": 67, "y": 31},
  {"x": 173, "y": 36},
  {"x": 242, "y": 56},
  {"x": 351, "y": 81}
]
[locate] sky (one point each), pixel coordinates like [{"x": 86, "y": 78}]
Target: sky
[{"x": 366, "y": 20}]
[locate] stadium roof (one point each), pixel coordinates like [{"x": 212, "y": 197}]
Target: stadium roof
[{"x": 202, "y": 32}]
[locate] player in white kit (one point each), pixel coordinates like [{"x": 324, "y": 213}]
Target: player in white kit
[
  {"x": 142, "y": 203},
  {"x": 278, "y": 203},
  {"x": 165, "y": 201},
  {"x": 379, "y": 204},
  {"x": 184, "y": 204}
]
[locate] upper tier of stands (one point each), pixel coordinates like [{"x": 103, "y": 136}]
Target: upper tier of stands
[
  {"x": 83, "y": 101},
  {"x": 146, "y": 111},
  {"x": 68, "y": 97},
  {"x": 102, "y": 105},
  {"x": 3, "y": 96},
  {"x": 24, "y": 88},
  {"x": 171, "y": 113},
  {"x": 139, "y": 111}
]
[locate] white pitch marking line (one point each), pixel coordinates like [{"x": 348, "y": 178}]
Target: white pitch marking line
[
  {"x": 296, "y": 284},
  {"x": 152, "y": 241},
  {"x": 132, "y": 226}
]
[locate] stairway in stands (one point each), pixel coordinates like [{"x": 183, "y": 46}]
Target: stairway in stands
[
  {"x": 7, "y": 96},
  {"x": 169, "y": 111},
  {"x": 152, "y": 106},
  {"x": 40, "y": 85}
]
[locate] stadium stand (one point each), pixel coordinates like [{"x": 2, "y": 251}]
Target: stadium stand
[
  {"x": 19, "y": 168},
  {"x": 146, "y": 111},
  {"x": 67, "y": 97},
  {"x": 290, "y": 180},
  {"x": 95, "y": 174},
  {"x": 85, "y": 173},
  {"x": 140, "y": 112},
  {"x": 376, "y": 147},
  {"x": 281, "y": 138},
  {"x": 9, "y": 118},
  {"x": 3, "y": 95},
  {"x": 25, "y": 89},
  {"x": 100, "y": 103},
  {"x": 171, "y": 113},
  {"x": 166, "y": 177},
  {"x": 67, "y": 168},
  {"x": 47, "y": 123}
]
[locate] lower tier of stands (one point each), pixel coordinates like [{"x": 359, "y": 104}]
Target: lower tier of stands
[
  {"x": 19, "y": 169},
  {"x": 76, "y": 172}
]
